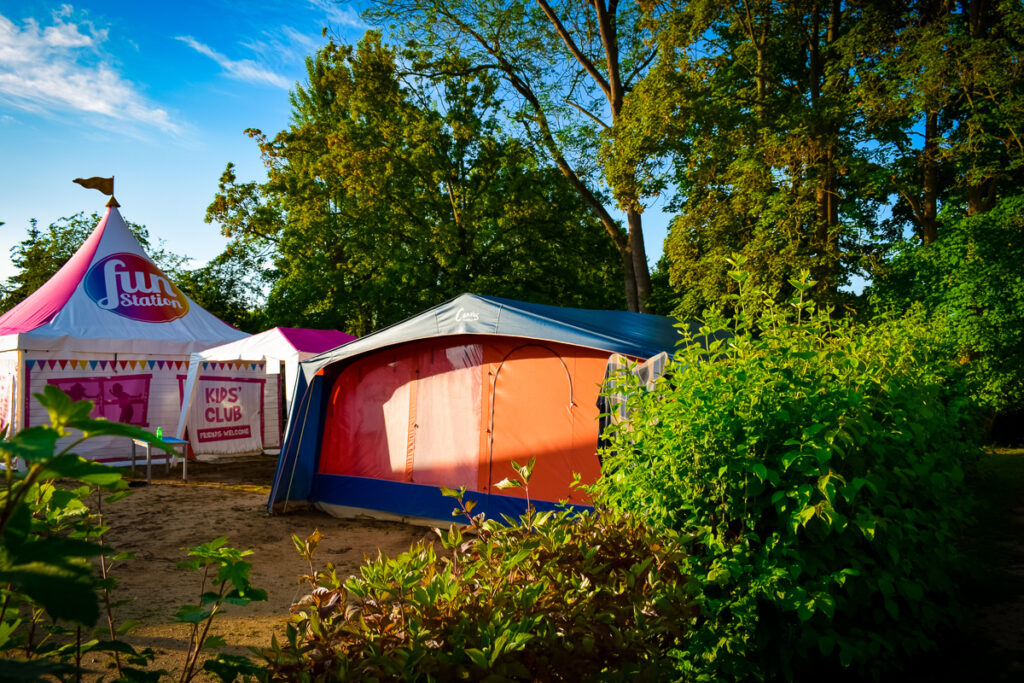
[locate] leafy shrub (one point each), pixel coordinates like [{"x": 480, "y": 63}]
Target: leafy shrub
[
  {"x": 225, "y": 582},
  {"x": 556, "y": 596},
  {"x": 972, "y": 282},
  {"x": 51, "y": 594},
  {"x": 818, "y": 466},
  {"x": 55, "y": 570}
]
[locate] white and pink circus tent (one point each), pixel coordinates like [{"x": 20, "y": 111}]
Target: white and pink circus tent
[
  {"x": 109, "y": 327},
  {"x": 219, "y": 413}
]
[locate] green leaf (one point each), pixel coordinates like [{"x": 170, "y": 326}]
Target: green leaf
[
  {"x": 33, "y": 444},
  {"x": 127, "y": 626},
  {"x": 65, "y": 591},
  {"x": 71, "y": 466},
  {"x": 214, "y": 642},
  {"x": 478, "y": 658}
]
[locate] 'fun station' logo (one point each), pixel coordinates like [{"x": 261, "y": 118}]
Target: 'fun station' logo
[{"x": 129, "y": 285}]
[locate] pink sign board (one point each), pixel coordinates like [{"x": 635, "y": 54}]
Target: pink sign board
[
  {"x": 124, "y": 398},
  {"x": 228, "y": 409}
]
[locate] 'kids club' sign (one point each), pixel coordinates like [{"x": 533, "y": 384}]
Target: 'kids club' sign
[{"x": 129, "y": 285}]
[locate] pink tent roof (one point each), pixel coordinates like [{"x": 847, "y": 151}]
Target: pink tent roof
[
  {"x": 314, "y": 341},
  {"x": 42, "y": 305}
]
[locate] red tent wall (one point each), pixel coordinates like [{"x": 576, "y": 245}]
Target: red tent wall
[{"x": 423, "y": 412}]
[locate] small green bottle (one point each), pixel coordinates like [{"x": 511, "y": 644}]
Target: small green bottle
[{"x": 160, "y": 433}]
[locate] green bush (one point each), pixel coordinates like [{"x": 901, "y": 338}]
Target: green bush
[
  {"x": 55, "y": 569},
  {"x": 554, "y": 597},
  {"x": 818, "y": 467},
  {"x": 971, "y": 281}
]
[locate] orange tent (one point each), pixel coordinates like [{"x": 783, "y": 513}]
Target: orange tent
[{"x": 451, "y": 398}]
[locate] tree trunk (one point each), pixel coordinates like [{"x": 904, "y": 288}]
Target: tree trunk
[
  {"x": 629, "y": 280},
  {"x": 930, "y": 185},
  {"x": 641, "y": 273}
]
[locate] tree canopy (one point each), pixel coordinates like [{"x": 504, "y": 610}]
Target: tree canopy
[
  {"x": 815, "y": 135},
  {"x": 391, "y": 192},
  {"x": 566, "y": 69}
]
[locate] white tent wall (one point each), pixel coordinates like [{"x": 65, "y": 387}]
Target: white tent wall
[
  {"x": 8, "y": 391},
  {"x": 265, "y": 355},
  {"x": 234, "y": 407},
  {"x": 140, "y": 390}
]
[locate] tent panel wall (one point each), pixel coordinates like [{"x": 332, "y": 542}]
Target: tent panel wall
[
  {"x": 411, "y": 414},
  {"x": 367, "y": 419},
  {"x": 456, "y": 411},
  {"x": 413, "y": 500},
  {"x": 297, "y": 462},
  {"x": 543, "y": 405},
  {"x": 8, "y": 392},
  {"x": 448, "y": 426},
  {"x": 140, "y": 391}
]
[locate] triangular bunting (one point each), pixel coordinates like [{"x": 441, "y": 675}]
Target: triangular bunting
[
  {"x": 103, "y": 364},
  {"x": 160, "y": 365},
  {"x": 151, "y": 364},
  {"x": 63, "y": 364},
  {"x": 51, "y": 363},
  {"x": 30, "y": 364}
]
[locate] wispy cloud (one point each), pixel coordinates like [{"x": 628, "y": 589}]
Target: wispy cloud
[
  {"x": 285, "y": 46},
  {"x": 242, "y": 69},
  {"x": 343, "y": 16},
  {"x": 59, "y": 67}
]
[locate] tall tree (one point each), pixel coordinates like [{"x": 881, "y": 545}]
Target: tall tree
[
  {"x": 749, "y": 102},
  {"x": 941, "y": 85},
  {"x": 386, "y": 196},
  {"x": 567, "y": 68}
]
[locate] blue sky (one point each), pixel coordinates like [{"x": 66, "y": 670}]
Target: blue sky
[{"x": 157, "y": 95}]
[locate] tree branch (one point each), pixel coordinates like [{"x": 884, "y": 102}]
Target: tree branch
[{"x": 587, "y": 65}]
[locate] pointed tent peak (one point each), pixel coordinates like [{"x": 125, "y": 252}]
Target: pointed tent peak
[{"x": 112, "y": 294}]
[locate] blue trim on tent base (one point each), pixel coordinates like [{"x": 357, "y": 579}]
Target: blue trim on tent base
[{"x": 417, "y": 500}]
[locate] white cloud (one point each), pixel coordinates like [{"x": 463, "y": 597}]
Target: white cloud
[
  {"x": 344, "y": 16},
  {"x": 242, "y": 69},
  {"x": 59, "y": 68}
]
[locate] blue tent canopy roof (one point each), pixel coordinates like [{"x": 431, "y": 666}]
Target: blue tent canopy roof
[{"x": 631, "y": 334}]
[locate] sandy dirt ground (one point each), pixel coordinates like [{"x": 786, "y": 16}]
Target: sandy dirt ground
[{"x": 226, "y": 498}]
